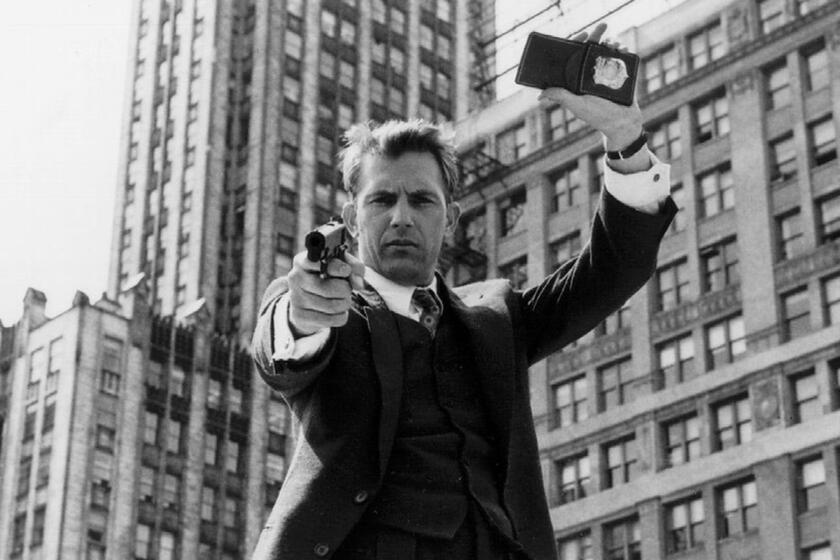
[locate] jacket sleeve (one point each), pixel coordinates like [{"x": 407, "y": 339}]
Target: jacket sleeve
[
  {"x": 618, "y": 259},
  {"x": 287, "y": 377}
]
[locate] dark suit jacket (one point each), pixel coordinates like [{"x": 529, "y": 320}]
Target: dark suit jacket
[{"x": 346, "y": 400}]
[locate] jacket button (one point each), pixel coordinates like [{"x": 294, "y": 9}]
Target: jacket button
[
  {"x": 361, "y": 497},
  {"x": 321, "y": 550}
]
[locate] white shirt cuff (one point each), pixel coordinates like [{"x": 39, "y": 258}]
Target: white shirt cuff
[
  {"x": 286, "y": 348},
  {"x": 643, "y": 190}
]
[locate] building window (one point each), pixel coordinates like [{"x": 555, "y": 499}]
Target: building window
[
  {"x": 573, "y": 473},
  {"x": 211, "y": 445},
  {"x": 665, "y": 139},
  {"x": 146, "y": 488},
  {"x": 616, "y": 384},
  {"x": 672, "y": 285},
  {"x": 37, "y": 537},
  {"x": 717, "y": 192},
  {"x": 142, "y": 541},
  {"x": 711, "y": 118},
  {"x": 820, "y": 552},
  {"x": 512, "y": 211},
  {"x": 661, "y": 69},
  {"x": 426, "y": 74},
  {"x": 231, "y": 512},
  {"x": 18, "y": 533},
  {"x": 719, "y": 263},
  {"x": 111, "y": 366},
  {"x": 777, "y": 85},
  {"x": 328, "y": 23},
  {"x": 805, "y": 397},
  {"x": 771, "y": 14},
  {"x": 738, "y": 511},
  {"x": 100, "y": 494},
  {"x": 348, "y": 33},
  {"x": 621, "y": 464},
  {"x": 725, "y": 342},
  {"x": 42, "y": 475},
  {"x": 623, "y": 540},
  {"x": 512, "y": 144},
  {"x": 173, "y": 436},
  {"x": 596, "y": 172},
  {"x": 684, "y": 524},
  {"x": 829, "y": 216},
  {"x": 570, "y": 401},
  {"x": 444, "y": 10},
  {"x": 815, "y": 58},
  {"x": 232, "y": 456},
  {"x": 796, "y": 313},
  {"x": 706, "y": 45},
  {"x": 578, "y": 547},
  {"x": 516, "y": 271},
  {"x": 782, "y": 159},
  {"x": 105, "y": 437},
  {"x": 810, "y": 484},
  {"x": 790, "y": 235},
  {"x": 561, "y": 122},
  {"x": 831, "y": 300},
  {"x": 680, "y": 220},
  {"x": 821, "y": 136},
  {"x": 676, "y": 361},
  {"x": 804, "y": 7},
  {"x": 566, "y": 189},
  {"x": 171, "y": 490},
  {"x": 49, "y": 414},
  {"x": 208, "y": 504},
  {"x": 615, "y": 321},
  {"x": 682, "y": 440},
  {"x": 150, "y": 428},
  {"x": 378, "y": 11},
  {"x": 167, "y": 546},
  {"x": 24, "y": 474},
  {"x": 293, "y": 44},
  {"x": 733, "y": 423}
]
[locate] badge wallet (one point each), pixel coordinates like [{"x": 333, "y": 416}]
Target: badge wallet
[{"x": 580, "y": 67}]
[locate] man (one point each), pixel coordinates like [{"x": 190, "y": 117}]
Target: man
[{"x": 416, "y": 439}]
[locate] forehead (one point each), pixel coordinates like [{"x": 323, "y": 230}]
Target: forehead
[{"x": 410, "y": 170}]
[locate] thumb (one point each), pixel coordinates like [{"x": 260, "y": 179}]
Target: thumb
[{"x": 357, "y": 271}]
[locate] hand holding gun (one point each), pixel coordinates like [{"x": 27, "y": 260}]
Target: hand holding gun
[{"x": 322, "y": 279}]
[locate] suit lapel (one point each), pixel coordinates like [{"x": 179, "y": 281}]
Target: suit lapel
[
  {"x": 491, "y": 340},
  {"x": 386, "y": 351}
]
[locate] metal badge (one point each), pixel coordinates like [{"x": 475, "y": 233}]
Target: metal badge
[{"x": 610, "y": 72}]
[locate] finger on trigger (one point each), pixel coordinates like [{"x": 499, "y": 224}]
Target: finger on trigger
[{"x": 337, "y": 268}]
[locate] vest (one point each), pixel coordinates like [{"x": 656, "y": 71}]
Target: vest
[{"x": 444, "y": 455}]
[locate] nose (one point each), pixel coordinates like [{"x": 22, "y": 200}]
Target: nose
[{"x": 401, "y": 214}]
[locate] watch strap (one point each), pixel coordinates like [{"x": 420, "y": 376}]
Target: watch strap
[{"x": 630, "y": 150}]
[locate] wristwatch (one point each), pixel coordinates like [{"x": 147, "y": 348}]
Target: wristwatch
[{"x": 630, "y": 150}]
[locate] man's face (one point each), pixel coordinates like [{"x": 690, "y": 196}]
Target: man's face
[{"x": 400, "y": 216}]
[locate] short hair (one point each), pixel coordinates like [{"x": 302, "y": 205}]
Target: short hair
[{"x": 392, "y": 139}]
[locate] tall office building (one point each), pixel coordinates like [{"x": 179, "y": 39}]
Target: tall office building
[
  {"x": 702, "y": 420},
  {"x": 127, "y": 434},
  {"x": 235, "y": 110}
]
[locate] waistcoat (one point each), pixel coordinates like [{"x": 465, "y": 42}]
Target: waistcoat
[{"x": 444, "y": 454}]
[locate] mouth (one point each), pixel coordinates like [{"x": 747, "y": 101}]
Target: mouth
[{"x": 401, "y": 244}]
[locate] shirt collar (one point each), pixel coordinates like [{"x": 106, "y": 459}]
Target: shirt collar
[{"x": 396, "y": 296}]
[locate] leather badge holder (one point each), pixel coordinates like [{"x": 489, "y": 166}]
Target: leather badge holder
[{"x": 582, "y": 68}]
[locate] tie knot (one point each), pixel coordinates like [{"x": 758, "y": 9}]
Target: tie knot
[{"x": 427, "y": 303}]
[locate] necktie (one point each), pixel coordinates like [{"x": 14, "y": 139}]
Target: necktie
[{"x": 427, "y": 303}]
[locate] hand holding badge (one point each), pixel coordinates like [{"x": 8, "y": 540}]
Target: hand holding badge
[{"x": 582, "y": 67}]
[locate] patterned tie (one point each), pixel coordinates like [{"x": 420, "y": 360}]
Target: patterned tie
[{"x": 425, "y": 300}]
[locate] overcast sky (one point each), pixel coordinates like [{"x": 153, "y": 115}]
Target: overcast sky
[{"x": 64, "y": 65}]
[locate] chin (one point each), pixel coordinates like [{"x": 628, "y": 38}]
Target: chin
[{"x": 406, "y": 275}]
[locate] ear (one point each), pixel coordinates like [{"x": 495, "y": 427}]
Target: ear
[
  {"x": 348, "y": 214},
  {"x": 453, "y": 212}
]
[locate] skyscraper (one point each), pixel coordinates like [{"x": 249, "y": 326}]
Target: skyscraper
[
  {"x": 702, "y": 420},
  {"x": 235, "y": 110}
]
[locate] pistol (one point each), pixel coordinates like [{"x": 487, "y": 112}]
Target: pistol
[{"x": 326, "y": 242}]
